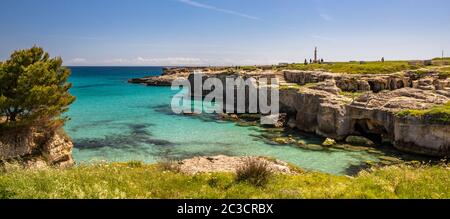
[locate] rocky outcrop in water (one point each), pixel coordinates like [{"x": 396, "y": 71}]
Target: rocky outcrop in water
[
  {"x": 33, "y": 148},
  {"x": 165, "y": 80}
]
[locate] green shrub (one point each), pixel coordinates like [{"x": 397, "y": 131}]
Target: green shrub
[
  {"x": 249, "y": 68},
  {"x": 445, "y": 73},
  {"x": 135, "y": 164}
]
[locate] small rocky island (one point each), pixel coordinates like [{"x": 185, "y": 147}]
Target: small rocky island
[{"x": 407, "y": 109}]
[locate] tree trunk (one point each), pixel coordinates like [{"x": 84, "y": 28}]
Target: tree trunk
[{"x": 12, "y": 117}]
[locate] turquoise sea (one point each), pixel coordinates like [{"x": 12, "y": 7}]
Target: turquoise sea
[{"x": 113, "y": 120}]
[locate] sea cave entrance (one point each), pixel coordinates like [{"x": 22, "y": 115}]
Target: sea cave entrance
[{"x": 370, "y": 130}]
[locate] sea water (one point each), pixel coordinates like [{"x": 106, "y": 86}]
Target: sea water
[{"x": 112, "y": 120}]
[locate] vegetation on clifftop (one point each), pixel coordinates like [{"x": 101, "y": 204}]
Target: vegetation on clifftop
[
  {"x": 438, "y": 114},
  {"x": 441, "y": 61},
  {"x": 136, "y": 180},
  {"x": 357, "y": 67}
]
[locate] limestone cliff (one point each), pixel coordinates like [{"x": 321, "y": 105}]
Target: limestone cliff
[
  {"x": 428, "y": 80},
  {"x": 372, "y": 115},
  {"x": 32, "y": 147}
]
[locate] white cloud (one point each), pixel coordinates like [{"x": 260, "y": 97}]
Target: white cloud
[
  {"x": 325, "y": 38},
  {"x": 77, "y": 61},
  {"x": 326, "y": 17},
  {"x": 74, "y": 37},
  {"x": 210, "y": 7},
  {"x": 169, "y": 61}
]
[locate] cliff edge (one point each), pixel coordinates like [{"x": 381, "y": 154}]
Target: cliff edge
[{"x": 33, "y": 148}]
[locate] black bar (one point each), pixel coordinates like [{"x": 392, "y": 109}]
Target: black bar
[{"x": 227, "y": 208}]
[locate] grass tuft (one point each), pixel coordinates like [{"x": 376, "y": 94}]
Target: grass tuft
[{"x": 255, "y": 172}]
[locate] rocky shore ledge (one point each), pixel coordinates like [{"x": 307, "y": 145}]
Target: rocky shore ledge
[
  {"x": 222, "y": 163},
  {"x": 339, "y": 105}
]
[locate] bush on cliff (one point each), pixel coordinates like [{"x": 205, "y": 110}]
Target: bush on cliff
[{"x": 33, "y": 88}]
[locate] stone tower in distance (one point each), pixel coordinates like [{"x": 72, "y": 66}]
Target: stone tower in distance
[{"x": 315, "y": 55}]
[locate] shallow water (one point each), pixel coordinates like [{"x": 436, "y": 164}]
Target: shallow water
[{"x": 115, "y": 121}]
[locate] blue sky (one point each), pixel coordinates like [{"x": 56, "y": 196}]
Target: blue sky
[{"x": 225, "y": 32}]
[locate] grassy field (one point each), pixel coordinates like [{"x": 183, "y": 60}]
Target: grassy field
[
  {"x": 136, "y": 180},
  {"x": 438, "y": 114},
  {"x": 441, "y": 61},
  {"x": 358, "y": 68}
]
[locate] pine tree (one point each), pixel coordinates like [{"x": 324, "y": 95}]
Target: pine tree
[{"x": 33, "y": 87}]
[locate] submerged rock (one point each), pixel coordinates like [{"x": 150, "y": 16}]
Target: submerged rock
[
  {"x": 228, "y": 117},
  {"x": 284, "y": 140},
  {"x": 390, "y": 159},
  {"x": 359, "y": 140},
  {"x": 314, "y": 147},
  {"x": 329, "y": 142}
]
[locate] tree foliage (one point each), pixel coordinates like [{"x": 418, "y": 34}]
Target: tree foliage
[{"x": 33, "y": 87}]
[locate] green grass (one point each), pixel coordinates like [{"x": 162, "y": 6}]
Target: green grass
[
  {"x": 445, "y": 59},
  {"x": 248, "y": 68},
  {"x": 437, "y": 114},
  {"x": 444, "y": 72},
  {"x": 441, "y": 61},
  {"x": 135, "y": 180},
  {"x": 440, "y": 58},
  {"x": 357, "y": 68}
]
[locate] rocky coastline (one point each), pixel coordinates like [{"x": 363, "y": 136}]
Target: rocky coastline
[{"x": 339, "y": 105}]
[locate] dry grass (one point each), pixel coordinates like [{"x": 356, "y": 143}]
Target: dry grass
[
  {"x": 255, "y": 172},
  {"x": 169, "y": 165}
]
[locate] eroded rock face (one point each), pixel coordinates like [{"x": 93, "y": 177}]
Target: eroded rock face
[
  {"x": 34, "y": 148},
  {"x": 17, "y": 144},
  {"x": 412, "y": 135},
  {"x": 321, "y": 111},
  {"x": 57, "y": 151},
  {"x": 375, "y": 83}
]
